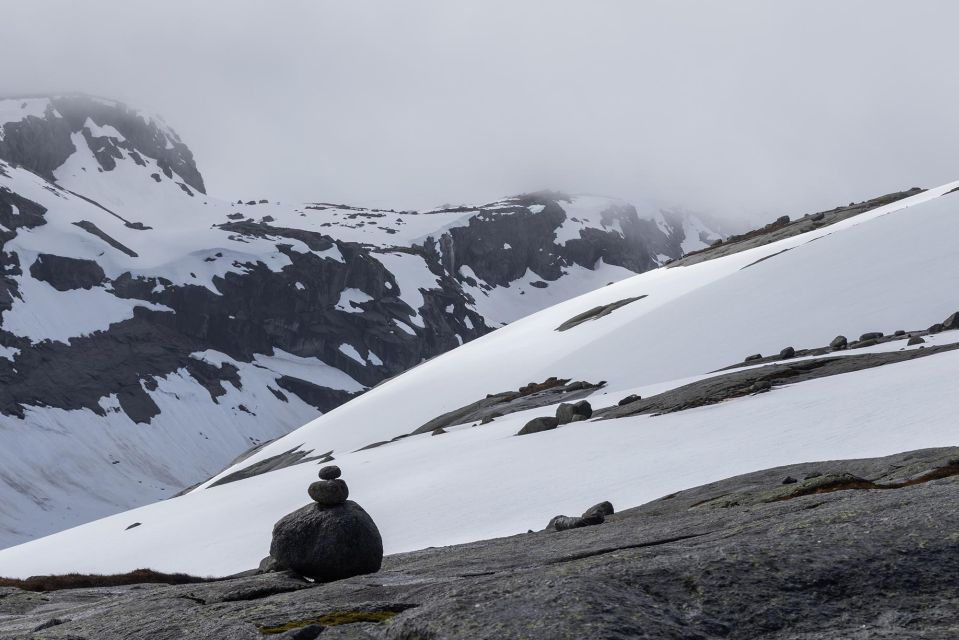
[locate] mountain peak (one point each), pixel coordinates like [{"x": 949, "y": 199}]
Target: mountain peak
[{"x": 43, "y": 133}]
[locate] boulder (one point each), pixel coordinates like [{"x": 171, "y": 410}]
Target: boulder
[
  {"x": 914, "y": 341},
  {"x": 872, "y": 335},
  {"x": 839, "y": 342},
  {"x": 952, "y": 322},
  {"x": 583, "y": 408},
  {"x": 329, "y": 493},
  {"x": 786, "y": 353},
  {"x": 565, "y": 413},
  {"x": 605, "y": 508},
  {"x": 789, "y": 480},
  {"x": 630, "y": 398},
  {"x": 539, "y": 424},
  {"x": 936, "y": 328},
  {"x": 573, "y": 412},
  {"x": 327, "y": 543},
  {"x": 755, "y": 356},
  {"x": 592, "y": 516},
  {"x": 330, "y": 472},
  {"x": 563, "y": 523}
]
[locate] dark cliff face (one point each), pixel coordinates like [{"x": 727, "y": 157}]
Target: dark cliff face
[{"x": 41, "y": 144}]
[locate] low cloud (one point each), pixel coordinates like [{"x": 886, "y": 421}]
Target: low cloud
[{"x": 743, "y": 109}]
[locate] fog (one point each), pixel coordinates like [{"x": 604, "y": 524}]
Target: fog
[{"x": 743, "y": 109}]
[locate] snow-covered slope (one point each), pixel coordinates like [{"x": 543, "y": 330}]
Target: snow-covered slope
[
  {"x": 893, "y": 268},
  {"x": 150, "y": 333}
]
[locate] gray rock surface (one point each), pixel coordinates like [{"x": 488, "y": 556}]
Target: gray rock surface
[
  {"x": 743, "y": 558},
  {"x": 741, "y": 382}
]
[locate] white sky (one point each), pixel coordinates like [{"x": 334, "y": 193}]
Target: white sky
[{"x": 743, "y": 108}]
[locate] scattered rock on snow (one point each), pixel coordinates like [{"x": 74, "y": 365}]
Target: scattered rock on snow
[
  {"x": 573, "y": 412},
  {"x": 630, "y": 398},
  {"x": 914, "y": 341},
  {"x": 539, "y": 424}
]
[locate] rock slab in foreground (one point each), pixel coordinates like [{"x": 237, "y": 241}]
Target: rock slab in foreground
[{"x": 743, "y": 558}]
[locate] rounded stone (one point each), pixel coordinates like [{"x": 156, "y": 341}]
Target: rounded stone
[
  {"x": 328, "y": 543},
  {"x": 329, "y": 493},
  {"x": 330, "y": 472}
]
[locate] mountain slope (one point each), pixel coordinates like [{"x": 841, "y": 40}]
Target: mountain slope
[
  {"x": 150, "y": 333},
  {"x": 889, "y": 269}
]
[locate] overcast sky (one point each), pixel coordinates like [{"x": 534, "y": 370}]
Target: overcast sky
[{"x": 740, "y": 108}]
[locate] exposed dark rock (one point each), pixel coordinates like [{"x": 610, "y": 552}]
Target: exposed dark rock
[
  {"x": 755, "y": 356},
  {"x": 630, "y": 398},
  {"x": 914, "y": 341},
  {"x": 872, "y": 335},
  {"x": 499, "y": 404},
  {"x": 952, "y": 322},
  {"x": 280, "y": 461},
  {"x": 789, "y": 480},
  {"x": 89, "y": 227},
  {"x": 329, "y": 493},
  {"x": 743, "y": 382},
  {"x": 786, "y": 353},
  {"x": 64, "y": 274},
  {"x": 567, "y": 412},
  {"x": 331, "y": 472},
  {"x": 839, "y": 342},
  {"x": 564, "y": 523},
  {"x": 536, "y": 425},
  {"x": 327, "y": 543},
  {"x": 782, "y": 228},
  {"x": 936, "y": 328},
  {"x": 605, "y": 508},
  {"x": 596, "y": 312}
]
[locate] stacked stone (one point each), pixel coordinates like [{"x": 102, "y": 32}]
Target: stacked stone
[
  {"x": 329, "y": 490},
  {"x": 329, "y": 539}
]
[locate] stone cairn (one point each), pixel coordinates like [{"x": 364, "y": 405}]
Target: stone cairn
[{"x": 331, "y": 539}]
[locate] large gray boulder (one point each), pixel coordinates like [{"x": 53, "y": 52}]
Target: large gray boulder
[
  {"x": 327, "y": 543},
  {"x": 538, "y": 424}
]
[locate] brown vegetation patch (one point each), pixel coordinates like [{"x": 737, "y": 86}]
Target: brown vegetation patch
[{"x": 87, "y": 581}]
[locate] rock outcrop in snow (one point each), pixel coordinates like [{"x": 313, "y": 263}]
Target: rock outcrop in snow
[{"x": 150, "y": 333}]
